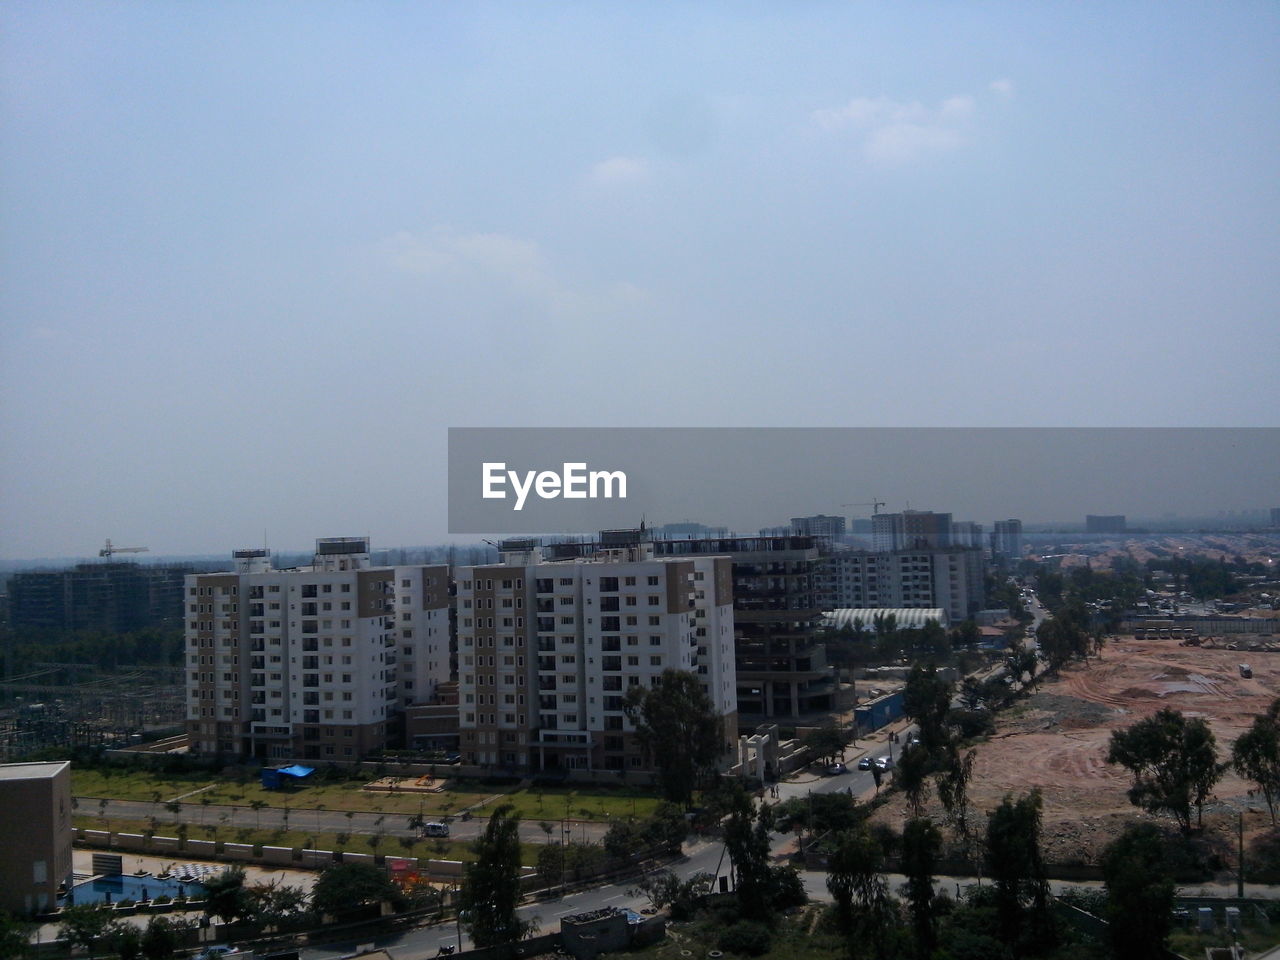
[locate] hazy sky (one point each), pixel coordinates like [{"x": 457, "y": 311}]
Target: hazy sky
[{"x": 255, "y": 258}]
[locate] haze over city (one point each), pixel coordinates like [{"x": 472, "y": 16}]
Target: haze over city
[{"x": 256, "y": 260}]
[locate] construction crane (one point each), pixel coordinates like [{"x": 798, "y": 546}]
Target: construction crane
[
  {"x": 875, "y": 505},
  {"x": 109, "y": 549}
]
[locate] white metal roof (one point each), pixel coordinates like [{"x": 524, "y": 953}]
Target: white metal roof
[{"x": 904, "y": 617}]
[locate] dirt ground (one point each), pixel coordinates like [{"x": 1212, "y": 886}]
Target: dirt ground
[{"x": 1057, "y": 740}]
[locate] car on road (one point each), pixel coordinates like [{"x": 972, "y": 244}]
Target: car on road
[
  {"x": 218, "y": 953},
  {"x": 435, "y": 829},
  {"x": 884, "y": 763},
  {"x": 864, "y": 763},
  {"x": 836, "y": 769}
]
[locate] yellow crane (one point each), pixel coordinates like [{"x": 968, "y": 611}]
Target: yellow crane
[{"x": 109, "y": 549}]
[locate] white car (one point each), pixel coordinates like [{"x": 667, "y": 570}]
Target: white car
[{"x": 883, "y": 763}]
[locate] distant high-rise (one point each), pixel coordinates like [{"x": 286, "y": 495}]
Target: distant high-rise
[
  {"x": 819, "y": 525},
  {"x": 1106, "y": 523},
  {"x": 1006, "y": 541},
  {"x": 949, "y": 578},
  {"x": 911, "y": 529},
  {"x": 966, "y": 533},
  {"x": 1275, "y": 516},
  {"x": 116, "y": 597}
]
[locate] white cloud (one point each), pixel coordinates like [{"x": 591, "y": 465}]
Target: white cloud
[
  {"x": 620, "y": 170},
  {"x": 500, "y": 260},
  {"x": 896, "y": 132},
  {"x": 1002, "y": 88}
]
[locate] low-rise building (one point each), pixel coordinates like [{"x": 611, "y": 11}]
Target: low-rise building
[{"x": 35, "y": 835}]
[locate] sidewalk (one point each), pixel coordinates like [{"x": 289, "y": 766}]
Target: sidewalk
[{"x": 798, "y": 784}]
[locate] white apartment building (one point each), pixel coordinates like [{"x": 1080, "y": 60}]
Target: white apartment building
[
  {"x": 950, "y": 578},
  {"x": 311, "y": 662},
  {"x": 547, "y": 650}
]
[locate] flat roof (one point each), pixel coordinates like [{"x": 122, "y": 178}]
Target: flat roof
[{"x": 32, "y": 771}]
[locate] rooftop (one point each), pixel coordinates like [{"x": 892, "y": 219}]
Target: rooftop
[{"x": 32, "y": 771}]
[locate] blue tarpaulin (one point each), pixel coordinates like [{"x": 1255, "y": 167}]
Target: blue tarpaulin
[{"x": 274, "y": 779}]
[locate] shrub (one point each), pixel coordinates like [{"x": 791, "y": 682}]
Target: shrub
[{"x": 746, "y": 937}]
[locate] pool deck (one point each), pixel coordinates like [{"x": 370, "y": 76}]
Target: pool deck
[{"x": 82, "y": 866}]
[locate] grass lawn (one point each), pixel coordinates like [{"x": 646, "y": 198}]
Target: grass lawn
[
  {"x": 438, "y": 849},
  {"x": 537, "y": 803}
]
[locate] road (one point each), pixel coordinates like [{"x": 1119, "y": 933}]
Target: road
[{"x": 393, "y": 825}]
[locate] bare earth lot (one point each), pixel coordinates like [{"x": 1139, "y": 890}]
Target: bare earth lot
[{"x": 1057, "y": 740}]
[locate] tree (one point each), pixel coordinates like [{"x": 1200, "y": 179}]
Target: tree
[
  {"x": 15, "y": 935},
  {"x": 346, "y": 886},
  {"x": 926, "y": 700},
  {"x": 550, "y": 866},
  {"x": 274, "y": 903},
  {"x": 664, "y": 889},
  {"x": 84, "y": 923},
  {"x": 679, "y": 729},
  {"x": 921, "y": 847},
  {"x": 912, "y": 776},
  {"x": 824, "y": 743},
  {"x": 953, "y": 791},
  {"x": 667, "y": 827},
  {"x": 1173, "y": 761},
  {"x": 256, "y": 804},
  {"x": 862, "y": 906},
  {"x": 491, "y": 884},
  {"x": 226, "y": 896},
  {"x": 1017, "y": 867},
  {"x": 972, "y": 693},
  {"x": 761, "y": 889},
  {"x": 623, "y": 839},
  {"x": 1256, "y": 756},
  {"x": 1140, "y": 891},
  {"x": 159, "y": 940}
]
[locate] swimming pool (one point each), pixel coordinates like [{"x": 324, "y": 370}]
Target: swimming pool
[{"x": 115, "y": 889}]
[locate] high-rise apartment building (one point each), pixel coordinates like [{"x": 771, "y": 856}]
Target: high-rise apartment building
[
  {"x": 910, "y": 528},
  {"x": 820, "y": 525},
  {"x": 782, "y": 670},
  {"x": 551, "y": 639},
  {"x": 966, "y": 533},
  {"x": 311, "y": 662},
  {"x": 117, "y": 597},
  {"x": 1006, "y": 540},
  {"x": 1105, "y": 523},
  {"x": 949, "y": 578}
]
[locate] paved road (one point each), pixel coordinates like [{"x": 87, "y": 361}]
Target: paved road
[{"x": 319, "y": 821}]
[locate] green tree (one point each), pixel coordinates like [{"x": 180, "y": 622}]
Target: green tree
[
  {"x": 1017, "y": 867},
  {"x": 746, "y": 840},
  {"x": 226, "y": 896},
  {"x": 911, "y": 775},
  {"x": 161, "y": 938},
  {"x": 824, "y": 743},
  {"x": 14, "y": 937},
  {"x": 921, "y": 847},
  {"x": 1256, "y": 755},
  {"x": 256, "y": 804},
  {"x": 926, "y": 700},
  {"x": 346, "y": 886},
  {"x": 667, "y": 827},
  {"x": 1173, "y": 761},
  {"x": 664, "y": 889},
  {"x": 623, "y": 839},
  {"x": 1140, "y": 892},
  {"x": 863, "y": 909},
  {"x": 83, "y": 923},
  {"x": 550, "y": 865},
  {"x": 679, "y": 729},
  {"x": 491, "y": 884}
]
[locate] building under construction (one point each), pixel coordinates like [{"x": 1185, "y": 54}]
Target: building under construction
[{"x": 115, "y": 597}]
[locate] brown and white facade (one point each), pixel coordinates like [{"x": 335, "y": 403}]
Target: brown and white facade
[
  {"x": 547, "y": 650},
  {"x": 35, "y": 835},
  {"x": 312, "y": 663}
]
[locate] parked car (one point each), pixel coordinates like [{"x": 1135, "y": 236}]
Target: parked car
[{"x": 864, "y": 763}]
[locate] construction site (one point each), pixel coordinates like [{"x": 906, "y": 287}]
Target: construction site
[{"x": 1057, "y": 739}]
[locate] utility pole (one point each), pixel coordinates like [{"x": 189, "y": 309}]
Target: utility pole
[{"x": 1240, "y": 872}]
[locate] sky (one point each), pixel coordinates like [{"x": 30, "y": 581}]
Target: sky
[{"x": 256, "y": 258}]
